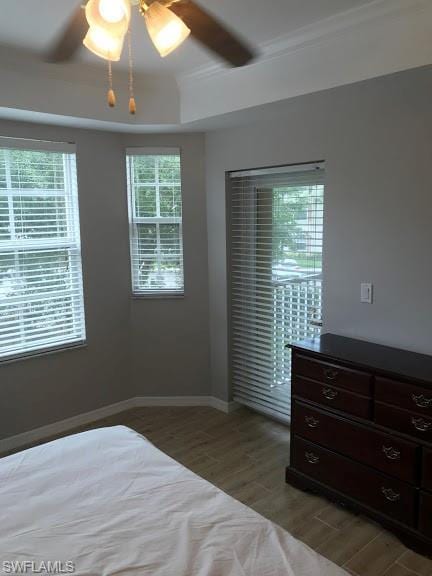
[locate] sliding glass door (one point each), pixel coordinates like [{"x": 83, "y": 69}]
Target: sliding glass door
[{"x": 276, "y": 231}]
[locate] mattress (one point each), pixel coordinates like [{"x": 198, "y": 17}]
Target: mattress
[{"x": 108, "y": 502}]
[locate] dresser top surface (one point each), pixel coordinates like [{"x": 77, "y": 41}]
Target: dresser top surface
[{"x": 384, "y": 359}]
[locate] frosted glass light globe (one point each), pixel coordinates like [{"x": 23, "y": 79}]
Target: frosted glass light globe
[{"x": 112, "y": 10}]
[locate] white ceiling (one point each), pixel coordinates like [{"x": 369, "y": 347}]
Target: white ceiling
[
  {"x": 33, "y": 25},
  {"x": 304, "y": 46}
]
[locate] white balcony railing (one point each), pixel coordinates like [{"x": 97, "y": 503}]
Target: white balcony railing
[{"x": 296, "y": 315}]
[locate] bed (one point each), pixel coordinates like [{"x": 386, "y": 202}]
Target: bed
[{"x": 108, "y": 502}]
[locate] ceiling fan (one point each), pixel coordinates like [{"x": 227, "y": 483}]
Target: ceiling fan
[
  {"x": 169, "y": 22},
  {"x": 103, "y": 25}
]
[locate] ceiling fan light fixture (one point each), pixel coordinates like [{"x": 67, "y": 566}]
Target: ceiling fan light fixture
[
  {"x": 112, "y": 11},
  {"x": 167, "y": 31},
  {"x": 103, "y": 44},
  {"x": 113, "y": 16}
]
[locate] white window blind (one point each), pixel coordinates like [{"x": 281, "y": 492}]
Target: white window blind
[
  {"x": 276, "y": 231},
  {"x": 155, "y": 221},
  {"x": 41, "y": 295}
]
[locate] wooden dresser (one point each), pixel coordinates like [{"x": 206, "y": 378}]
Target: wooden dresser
[{"x": 361, "y": 431}]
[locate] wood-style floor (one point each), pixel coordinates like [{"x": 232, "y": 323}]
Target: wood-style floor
[{"x": 245, "y": 455}]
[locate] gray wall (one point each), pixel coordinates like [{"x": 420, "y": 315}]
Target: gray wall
[
  {"x": 170, "y": 337},
  {"x": 133, "y": 347},
  {"x": 376, "y": 137}
]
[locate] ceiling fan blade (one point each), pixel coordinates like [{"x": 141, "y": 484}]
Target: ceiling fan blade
[
  {"x": 70, "y": 39},
  {"x": 212, "y": 34}
]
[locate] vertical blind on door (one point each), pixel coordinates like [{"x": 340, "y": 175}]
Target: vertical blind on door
[
  {"x": 275, "y": 239},
  {"x": 41, "y": 294}
]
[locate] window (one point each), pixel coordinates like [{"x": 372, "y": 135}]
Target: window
[
  {"x": 155, "y": 219},
  {"x": 276, "y": 232},
  {"x": 41, "y": 296}
]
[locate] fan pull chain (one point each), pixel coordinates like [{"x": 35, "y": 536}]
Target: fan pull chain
[
  {"x": 132, "y": 103},
  {"x": 111, "y": 94}
]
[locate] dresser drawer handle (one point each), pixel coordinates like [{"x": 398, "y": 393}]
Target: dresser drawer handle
[
  {"x": 329, "y": 393},
  {"x": 421, "y": 401},
  {"x": 330, "y": 373},
  {"x": 390, "y": 494},
  {"x": 311, "y": 421},
  {"x": 421, "y": 424},
  {"x": 312, "y": 458},
  {"x": 391, "y": 453}
]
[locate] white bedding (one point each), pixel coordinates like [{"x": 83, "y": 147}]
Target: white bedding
[{"x": 113, "y": 504}]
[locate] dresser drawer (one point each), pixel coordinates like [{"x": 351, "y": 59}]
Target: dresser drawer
[
  {"x": 392, "y": 497},
  {"x": 390, "y": 455},
  {"x": 332, "y": 396},
  {"x": 333, "y": 375},
  {"x": 427, "y": 469},
  {"x": 407, "y": 396},
  {"x": 425, "y": 523},
  {"x": 404, "y": 421}
]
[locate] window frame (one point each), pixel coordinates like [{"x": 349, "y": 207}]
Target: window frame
[
  {"x": 135, "y": 221},
  {"x": 70, "y": 243}
]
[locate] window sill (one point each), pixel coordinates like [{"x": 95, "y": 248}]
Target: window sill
[
  {"x": 43, "y": 352},
  {"x": 159, "y": 296}
]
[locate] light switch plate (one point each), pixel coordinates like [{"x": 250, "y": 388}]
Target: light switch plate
[{"x": 366, "y": 292}]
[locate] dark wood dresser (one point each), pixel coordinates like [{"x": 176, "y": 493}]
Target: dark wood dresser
[{"x": 361, "y": 431}]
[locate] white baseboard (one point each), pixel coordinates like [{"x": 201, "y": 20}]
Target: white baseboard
[
  {"x": 211, "y": 401},
  {"x": 223, "y": 406},
  {"x": 37, "y": 434},
  {"x": 26, "y": 438}
]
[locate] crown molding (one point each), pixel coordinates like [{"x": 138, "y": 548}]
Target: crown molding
[
  {"x": 314, "y": 34},
  {"x": 380, "y": 38}
]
